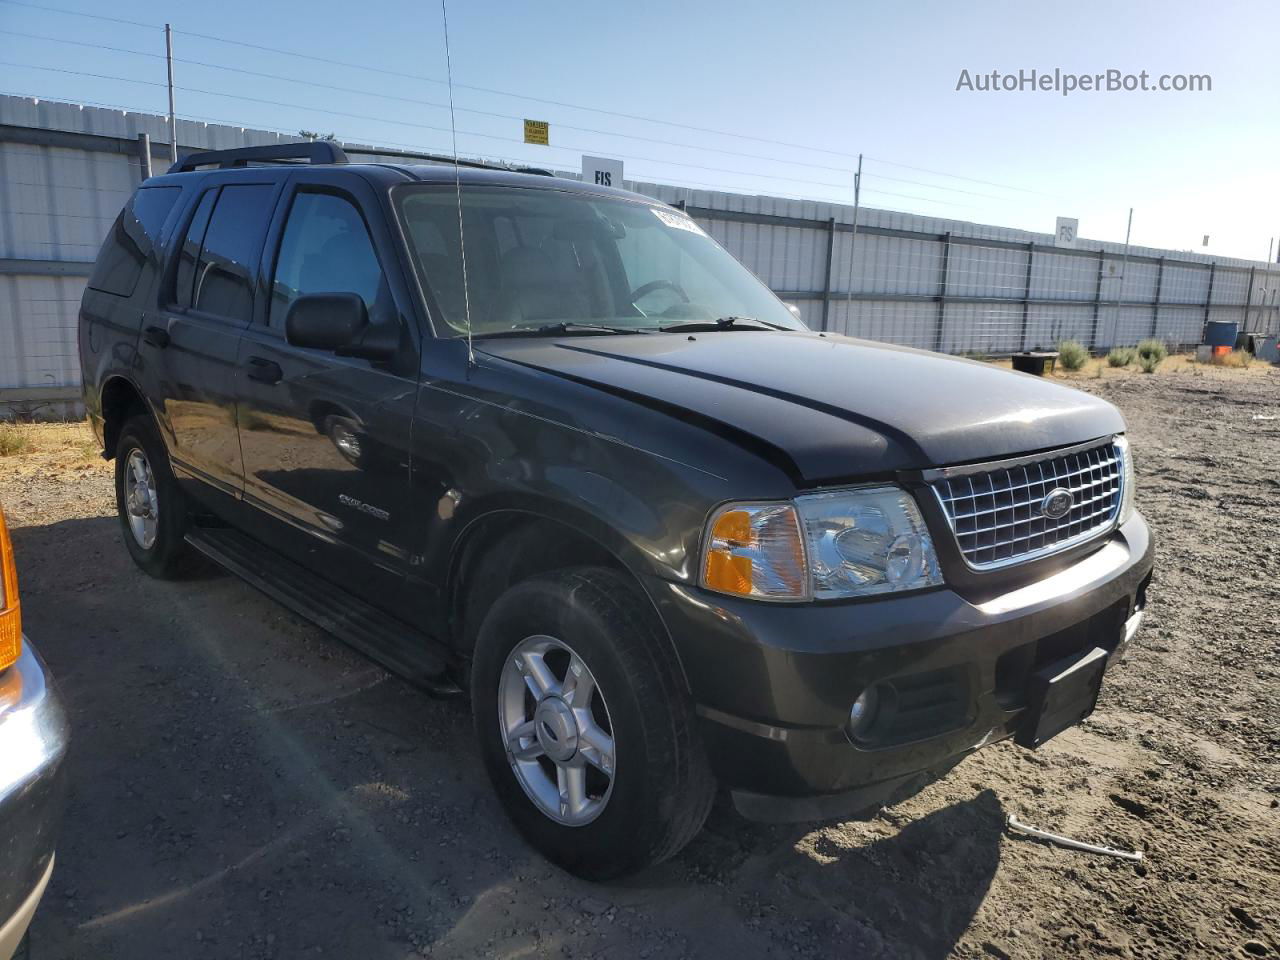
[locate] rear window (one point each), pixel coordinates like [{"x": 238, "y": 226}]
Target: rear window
[
  {"x": 134, "y": 237},
  {"x": 220, "y": 251}
]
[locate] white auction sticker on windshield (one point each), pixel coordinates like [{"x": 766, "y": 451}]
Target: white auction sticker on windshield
[{"x": 677, "y": 220}]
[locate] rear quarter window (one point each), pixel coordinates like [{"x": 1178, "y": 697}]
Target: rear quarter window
[
  {"x": 134, "y": 237},
  {"x": 219, "y": 255}
]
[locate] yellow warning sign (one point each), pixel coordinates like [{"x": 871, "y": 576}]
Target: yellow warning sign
[{"x": 537, "y": 131}]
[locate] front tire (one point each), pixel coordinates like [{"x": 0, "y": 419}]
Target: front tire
[
  {"x": 153, "y": 513},
  {"x": 585, "y": 726}
]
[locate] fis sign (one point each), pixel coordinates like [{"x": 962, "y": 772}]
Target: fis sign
[{"x": 602, "y": 171}]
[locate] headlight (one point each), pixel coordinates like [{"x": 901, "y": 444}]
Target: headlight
[
  {"x": 1126, "y": 478},
  {"x": 849, "y": 543},
  {"x": 867, "y": 541}
]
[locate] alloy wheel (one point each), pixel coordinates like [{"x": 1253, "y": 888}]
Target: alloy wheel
[
  {"x": 556, "y": 730},
  {"x": 142, "y": 504}
]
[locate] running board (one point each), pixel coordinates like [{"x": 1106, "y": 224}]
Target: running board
[{"x": 415, "y": 656}]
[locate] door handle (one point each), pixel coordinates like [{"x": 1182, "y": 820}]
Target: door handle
[
  {"x": 265, "y": 371},
  {"x": 156, "y": 336}
]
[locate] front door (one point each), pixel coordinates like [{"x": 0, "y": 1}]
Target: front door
[
  {"x": 189, "y": 344},
  {"x": 325, "y": 438}
]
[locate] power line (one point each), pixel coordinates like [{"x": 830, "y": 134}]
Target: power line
[
  {"x": 423, "y": 103},
  {"x": 80, "y": 13},
  {"x": 409, "y": 123},
  {"x": 543, "y": 100},
  {"x": 956, "y": 176},
  {"x": 938, "y": 186},
  {"x": 436, "y": 80}
]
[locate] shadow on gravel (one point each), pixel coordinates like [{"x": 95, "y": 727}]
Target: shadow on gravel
[{"x": 912, "y": 894}]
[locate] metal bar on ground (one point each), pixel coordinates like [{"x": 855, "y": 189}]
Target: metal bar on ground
[{"x": 1018, "y": 827}]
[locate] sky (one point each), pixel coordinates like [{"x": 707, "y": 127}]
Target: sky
[{"x": 755, "y": 97}]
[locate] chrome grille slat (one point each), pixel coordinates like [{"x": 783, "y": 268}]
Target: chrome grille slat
[
  {"x": 1106, "y": 464},
  {"x": 982, "y": 513},
  {"x": 995, "y": 515}
]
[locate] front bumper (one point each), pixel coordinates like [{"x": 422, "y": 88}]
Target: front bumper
[
  {"x": 774, "y": 683},
  {"x": 33, "y": 743}
]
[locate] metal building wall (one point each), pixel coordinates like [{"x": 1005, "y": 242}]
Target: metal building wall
[{"x": 949, "y": 285}]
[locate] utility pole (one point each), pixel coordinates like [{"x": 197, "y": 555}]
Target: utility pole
[
  {"x": 173, "y": 120},
  {"x": 1124, "y": 266},
  {"x": 853, "y": 242}
]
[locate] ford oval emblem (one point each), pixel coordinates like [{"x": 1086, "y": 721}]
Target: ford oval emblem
[{"x": 1057, "y": 503}]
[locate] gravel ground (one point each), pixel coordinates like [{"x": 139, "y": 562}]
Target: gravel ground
[{"x": 244, "y": 786}]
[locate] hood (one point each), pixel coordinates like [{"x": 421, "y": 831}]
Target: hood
[{"x": 836, "y": 407}]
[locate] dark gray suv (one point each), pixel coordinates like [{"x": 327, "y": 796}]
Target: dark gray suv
[{"x": 549, "y": 443}]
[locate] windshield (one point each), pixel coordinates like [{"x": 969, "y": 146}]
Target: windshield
[{"x": 537, "y": 257}]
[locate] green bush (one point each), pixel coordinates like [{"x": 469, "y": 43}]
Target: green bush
[
  {"x": 1147, "y": 363},
  {"x": 1072, "y": 354},
  {"x": 1122, "y": 356},
  {"x": 1153, "y": 348}
]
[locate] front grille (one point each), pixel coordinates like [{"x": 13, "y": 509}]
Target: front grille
[{"x": 995, "y": 510}]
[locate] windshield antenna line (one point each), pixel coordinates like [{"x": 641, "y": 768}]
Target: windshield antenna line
[{"x": 457, "y": 184}]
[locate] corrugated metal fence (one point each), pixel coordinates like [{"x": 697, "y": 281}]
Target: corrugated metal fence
[{"x": 65, "y": 171}]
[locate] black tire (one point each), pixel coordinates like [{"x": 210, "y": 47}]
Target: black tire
[
  {"x": 662, "y": 787},
  {"x": 169, "y": 556}
]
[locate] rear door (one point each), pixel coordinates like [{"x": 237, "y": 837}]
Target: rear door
[
  {"x": 188, "y": 349},
  {"x": 325, "y": 438}
]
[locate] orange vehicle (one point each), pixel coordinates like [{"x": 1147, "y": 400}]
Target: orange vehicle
[{"x": 33, "y": 743}]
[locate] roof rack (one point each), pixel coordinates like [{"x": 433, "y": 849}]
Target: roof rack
[{"x": 314, "y": 151}]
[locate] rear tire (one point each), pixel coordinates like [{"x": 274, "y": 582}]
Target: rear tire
[
  {"x": 629, "y": 814},
  {"x": 152, "y": 509}
]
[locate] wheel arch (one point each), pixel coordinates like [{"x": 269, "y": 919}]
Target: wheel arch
[
  {"x": 504, "y": 546},
  {"x": 120, "y": 399}
]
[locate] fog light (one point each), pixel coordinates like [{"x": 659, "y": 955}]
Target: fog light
[{"x": 863, "y": 712}]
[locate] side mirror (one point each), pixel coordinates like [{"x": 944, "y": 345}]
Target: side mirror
[{"x": 326, "y": 321}]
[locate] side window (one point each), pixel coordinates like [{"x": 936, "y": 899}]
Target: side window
[
  {"x": 185, "y": 278},
  {"x": 325, "y": 249},
  {"x": 223, "y": 283},
  {"x": 133, "y": 238}
]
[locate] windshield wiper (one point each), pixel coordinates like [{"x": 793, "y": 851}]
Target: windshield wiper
[
  {"x": 723, "y": 323},
  {"x": 561, "y": 329}
]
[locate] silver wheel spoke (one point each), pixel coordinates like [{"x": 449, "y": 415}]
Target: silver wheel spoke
[
  {"x": 537, "y": 675},
  {"x": 596, "y": 746},
  {"x": 572, "y": 784},
  {"x": 579, "y": 685},
  {"x": 522, "y": 742}
]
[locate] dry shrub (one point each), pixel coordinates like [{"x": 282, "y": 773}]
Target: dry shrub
[{"x": 1072, "y": 354}]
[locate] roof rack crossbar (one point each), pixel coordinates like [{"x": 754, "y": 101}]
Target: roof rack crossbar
[{"x": 314, "y": 151}]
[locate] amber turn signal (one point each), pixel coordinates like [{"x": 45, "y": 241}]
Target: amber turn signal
[
  {"x": 755, "y": 550},
  {"x": 10, "y": 610}
]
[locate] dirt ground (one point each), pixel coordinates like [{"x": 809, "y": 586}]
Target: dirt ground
[{"x": 244, "y": 786}]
